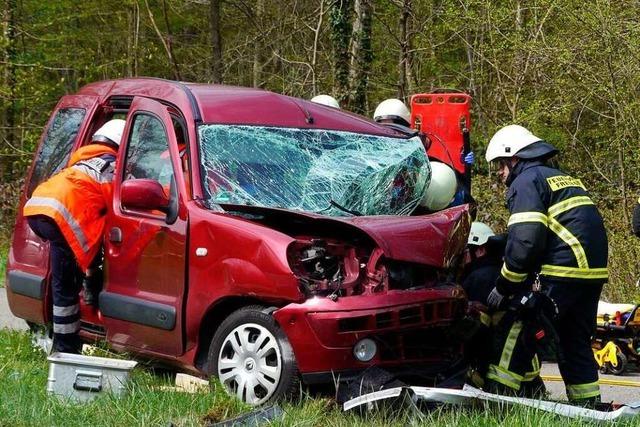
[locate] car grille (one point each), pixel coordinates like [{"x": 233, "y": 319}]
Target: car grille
[
  {"x": 431, "y": 313},
  {"x": 417, "y": 344}
]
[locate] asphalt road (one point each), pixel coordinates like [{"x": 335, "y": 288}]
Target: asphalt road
[
  {"x": 556, "y": 388},
  {"x": 610, "y": 393},
  {"x": 8, "y": 320}
]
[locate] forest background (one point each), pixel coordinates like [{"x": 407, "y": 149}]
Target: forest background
[{"x": 567, "y": 69}]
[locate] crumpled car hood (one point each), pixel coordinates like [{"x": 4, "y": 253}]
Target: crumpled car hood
[
  {"x": 433, "y": 239},
  {"x": 426, "y": 239}
]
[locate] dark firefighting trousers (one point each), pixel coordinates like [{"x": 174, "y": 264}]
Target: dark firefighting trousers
[
  {"x": 575, "y": 325},
  {"x": 513, "y": 361},
  {"x": 66, "y": 280}
]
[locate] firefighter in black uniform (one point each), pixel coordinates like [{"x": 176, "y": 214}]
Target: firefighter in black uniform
[
  {"x": 482, "y": 262},
  {"x": 483, "y": 259},
  {"x": 556, "y": 231}
]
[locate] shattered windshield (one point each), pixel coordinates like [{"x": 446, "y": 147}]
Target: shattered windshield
[{"x": 332, "y": 173}]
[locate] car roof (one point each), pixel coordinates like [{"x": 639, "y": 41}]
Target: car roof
[{"x": 223, "y": 104}]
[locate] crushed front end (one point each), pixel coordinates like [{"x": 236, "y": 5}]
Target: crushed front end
[
  {"x": 405, "y": 328},
  {"x": 390, "y": 301},
  {"x": 376, "y": 278}
]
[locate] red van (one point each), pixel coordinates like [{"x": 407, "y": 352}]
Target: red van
[{"x": 256, "y": 237}]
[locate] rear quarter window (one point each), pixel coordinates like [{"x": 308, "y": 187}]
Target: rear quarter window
[{"x": 56, "y": 148}]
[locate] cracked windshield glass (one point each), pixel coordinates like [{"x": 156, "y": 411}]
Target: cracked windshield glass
[{"x": 331, "y": 173}]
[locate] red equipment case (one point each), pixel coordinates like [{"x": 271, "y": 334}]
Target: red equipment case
[{"x": 445, "y": 118}]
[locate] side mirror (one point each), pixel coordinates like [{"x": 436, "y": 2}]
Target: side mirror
[{"x": 145, "y": 194}]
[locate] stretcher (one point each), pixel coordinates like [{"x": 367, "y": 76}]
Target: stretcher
[{"x": 617, "y": 339}]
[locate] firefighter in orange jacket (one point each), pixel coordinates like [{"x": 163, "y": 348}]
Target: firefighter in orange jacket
[{"x": 69, "y": 211}]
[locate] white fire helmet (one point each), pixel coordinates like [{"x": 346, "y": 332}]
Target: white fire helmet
[
  {"x": 479, "y": 234},
  {"x": 110, "y": 132},
  {"x": 441, "y": 189},
  {"x": 392, "y": 109},
  {"x": 327, "y": 100},
  {"x": 508, "y": 141}
]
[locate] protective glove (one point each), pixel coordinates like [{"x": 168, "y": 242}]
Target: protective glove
[
  {"x": 495, "y": 299},
  {"x": 469, "y": 158}
]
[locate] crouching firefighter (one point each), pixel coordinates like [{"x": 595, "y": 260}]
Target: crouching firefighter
[
  {"x": 483, "y": 259},
  {"x": 69, "y": 211},
  {"x": 555, "y": 230}
]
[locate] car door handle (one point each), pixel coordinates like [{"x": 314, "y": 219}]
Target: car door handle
[{"x": 115, "y": 235}]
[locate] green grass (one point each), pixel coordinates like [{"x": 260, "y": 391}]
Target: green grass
[{"x": 24, "y": 402}]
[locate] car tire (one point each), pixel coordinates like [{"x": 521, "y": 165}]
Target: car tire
[{"x": 252, "y": 358}]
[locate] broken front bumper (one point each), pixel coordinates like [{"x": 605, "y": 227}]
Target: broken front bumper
[
  {"x": 470, "y": 396},
  {"x": 408, "y": 327}
]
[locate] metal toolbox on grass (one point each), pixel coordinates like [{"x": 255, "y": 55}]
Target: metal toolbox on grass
[{"x": 83, "y": 378}]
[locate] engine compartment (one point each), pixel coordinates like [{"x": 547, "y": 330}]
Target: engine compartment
[
  {"x": 366, "y": 255},
  {"x": 332, "y": 268}
]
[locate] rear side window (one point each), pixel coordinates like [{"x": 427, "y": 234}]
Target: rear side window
[{"x": 56, "y": 147}]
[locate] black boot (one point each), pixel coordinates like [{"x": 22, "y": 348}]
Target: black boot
[
  {"x": 491, "y": 386},
  {"x": 67, "y": 343},
  {"x": 534, "y": 389},
  {"x": 92, "y": 285},
  {"x": 591, "y": 403}
]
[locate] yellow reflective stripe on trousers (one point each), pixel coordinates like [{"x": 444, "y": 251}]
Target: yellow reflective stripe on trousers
[
  {"x": 521, "y": 217},
  {"x": 504, "y": 377},
  {"x": 530, "y": 376},
  {"x": 583, "y": 391},
  {"x": 535, "y": 366},
  {"x": 512, "y": 276},
  {"x": 574, "y": 272},
  {"x": 565, "y": 205},
  {"x": 510, "y": 344},
  {"x": 536, "y": 363},
  {"x": 571, "y": 241}
]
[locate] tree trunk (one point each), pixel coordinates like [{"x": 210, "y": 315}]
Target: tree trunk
[
  {"x": 314, "y": 57},
  {"x": 216, "y": 43},
  {"x": 9, "y": 77},
  {"x": 340, "y": 22},
  {"x": 361, "y": 55},
  {"x": 166, "y": 43},
  {"x": 518, "y": 66},
  {"x": 136, "y": 38},
  {"x": 258, "y": 47},
  {"x": 169, "y": 44},
  {"x": 623, "y": 183},
  {"x": 404, "y": 63}
]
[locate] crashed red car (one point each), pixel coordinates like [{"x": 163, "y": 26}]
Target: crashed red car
[{"x": 256, "y": 237}]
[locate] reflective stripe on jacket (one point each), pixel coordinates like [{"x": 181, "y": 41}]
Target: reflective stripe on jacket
[
  {"x": 77, "y": 199},
  {"x": 554, "y": 227}
]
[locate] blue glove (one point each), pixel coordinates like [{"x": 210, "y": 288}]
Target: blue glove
[{"x": 469, "y": 158}]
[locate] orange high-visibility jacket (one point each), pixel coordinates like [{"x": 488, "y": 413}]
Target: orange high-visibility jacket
[{"x": 77, "y": 199}]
